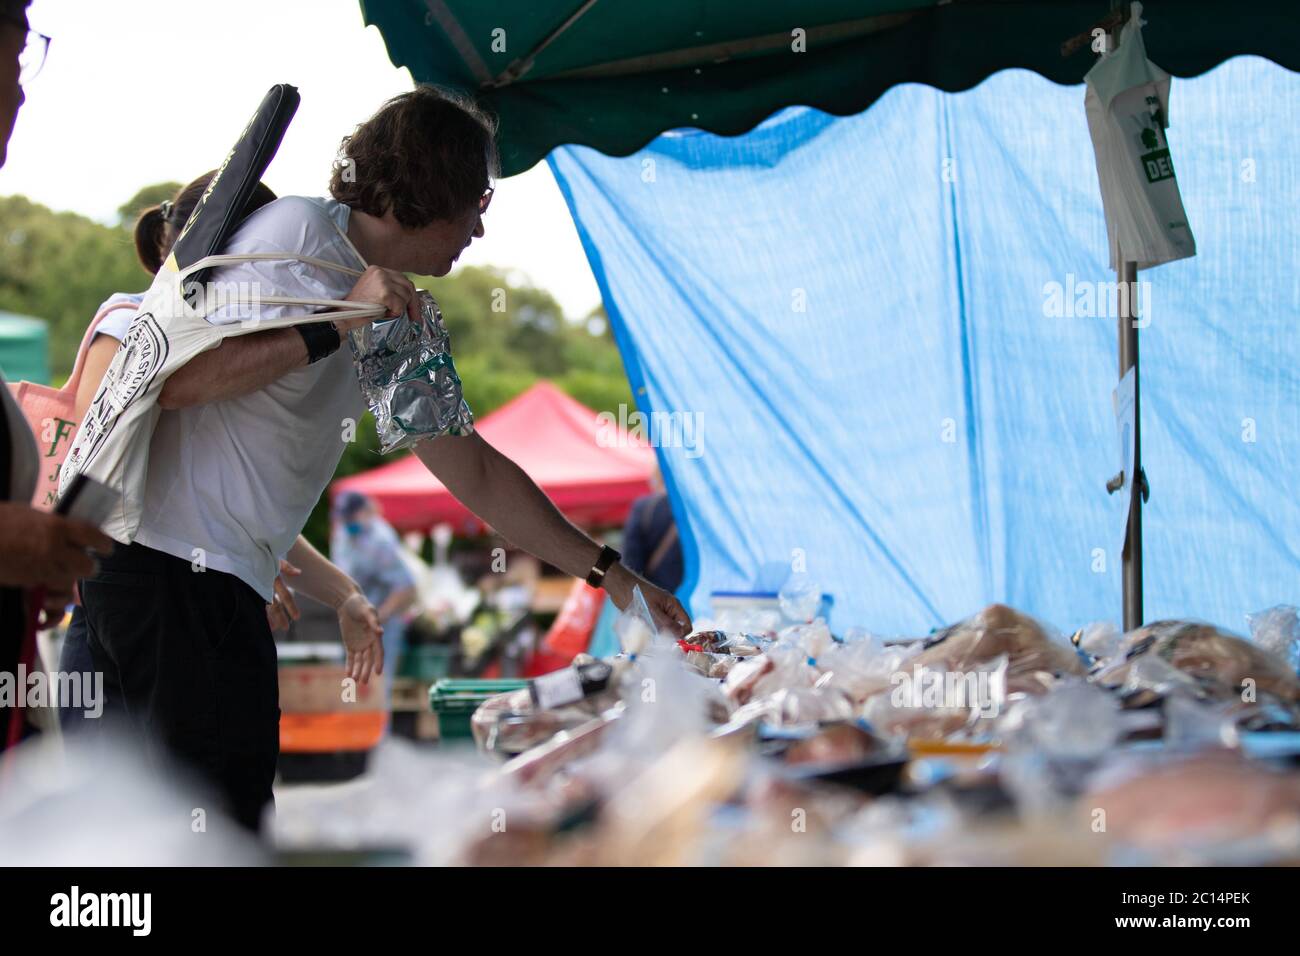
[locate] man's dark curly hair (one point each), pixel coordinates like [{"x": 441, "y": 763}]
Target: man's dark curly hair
[{"x": 428, "y": 155}]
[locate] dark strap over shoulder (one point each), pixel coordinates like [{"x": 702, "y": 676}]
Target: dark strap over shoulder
[{"x": 222, "y": 205}]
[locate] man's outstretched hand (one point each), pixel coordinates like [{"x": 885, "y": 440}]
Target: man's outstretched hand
[{"x": 667, "y": 611}]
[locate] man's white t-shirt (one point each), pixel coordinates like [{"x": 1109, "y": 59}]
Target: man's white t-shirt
[{"x": 232, "y": 483}]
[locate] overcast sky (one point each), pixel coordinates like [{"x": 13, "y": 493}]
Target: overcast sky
[{"x": 144, "y": 91}]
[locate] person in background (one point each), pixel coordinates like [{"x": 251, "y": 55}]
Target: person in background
[
  {"x": 156, "y": 231},
  {"x": 651, "y": 546},
  {"x": 39, "y": 549},
  {"x": 365, "y": 546}
]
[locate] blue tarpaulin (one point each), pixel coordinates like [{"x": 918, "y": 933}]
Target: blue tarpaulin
[{"x": 885, "y": 346}]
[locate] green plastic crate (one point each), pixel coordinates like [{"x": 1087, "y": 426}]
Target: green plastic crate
[
  {"x": 455, "y": 699},
  {"x": 426, "y": 662}
]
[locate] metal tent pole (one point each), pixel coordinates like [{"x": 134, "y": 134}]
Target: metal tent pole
[{"x": 1128, "y": 359}]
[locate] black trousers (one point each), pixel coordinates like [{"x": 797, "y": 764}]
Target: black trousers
[
  {"x": 189, "y": 657},
  {"x": 75, "y": 659}
]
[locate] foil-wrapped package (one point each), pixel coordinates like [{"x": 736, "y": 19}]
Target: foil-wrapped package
[{"x": 408, "y": 379}]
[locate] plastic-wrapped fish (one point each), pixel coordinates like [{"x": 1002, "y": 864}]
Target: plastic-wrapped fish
[
  {"x": 1215, "y": 797},
  {"x": 1032, "y": 656},
  {"x": 1211, "y": 662}
]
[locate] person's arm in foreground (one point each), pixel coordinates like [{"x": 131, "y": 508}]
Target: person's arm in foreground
[
  {"x": 498, "y": 491},
  {"x": 317, "y": 577},
  {"x": 242, "y": 364},
  {"x": 47, "y": 550},
  {"x": 44, "y": 549}
]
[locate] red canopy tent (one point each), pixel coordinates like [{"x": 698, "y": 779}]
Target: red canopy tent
[{"x": 593, "y": 471}]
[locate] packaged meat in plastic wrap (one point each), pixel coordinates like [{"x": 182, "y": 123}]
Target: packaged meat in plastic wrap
[
  {"x": 1033, "y": 657},
  {"x": 408, "y": 379},
  {"x": 511, "y": 723},
  {"x": 709, "y": 641},
  {"x": 834, "y": 744},
  {"x": 1216, "y": 807},
  {"x": 929, "y": 703},
  {"x": 700, "y": 660},
  {"x": 812, "y": 640},
  {"x": 1098, "y": 641},
  {"x": 1161, "y": 657},
  {"x": 780, "y": 667},
  {"x": 1277, "y": 629},
  {"x": 1074, "y": 721},
  {"x": 864, "y": 668},
  {"x": 843, "y": 754},
  {"x": 739, "y": 684},
  {"x": 1053, "y": 744},
  {"x": 561, "y": 750},
  {"x": 793, "y": 707}
]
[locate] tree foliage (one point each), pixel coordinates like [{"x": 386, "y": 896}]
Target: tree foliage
[{"x": 146, "y": 198}]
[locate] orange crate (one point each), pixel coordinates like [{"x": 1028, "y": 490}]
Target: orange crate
[{"x": 328, "y": 732}]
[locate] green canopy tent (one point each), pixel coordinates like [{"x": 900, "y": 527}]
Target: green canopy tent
[
  {"x": 24, "y": 349},
  {"x": 613, "y": 76}
]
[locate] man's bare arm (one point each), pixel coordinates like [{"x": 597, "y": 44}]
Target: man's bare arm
[
  {"x": 501, "y": 493},
  {"x": 244, "y": 363},
  {"x": 239, "y": 365}
]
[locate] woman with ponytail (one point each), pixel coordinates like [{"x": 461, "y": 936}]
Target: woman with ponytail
[{"x": 156, "y": 231}]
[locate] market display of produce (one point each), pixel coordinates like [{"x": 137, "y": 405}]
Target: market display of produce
[{"x": 992, "y": 741}]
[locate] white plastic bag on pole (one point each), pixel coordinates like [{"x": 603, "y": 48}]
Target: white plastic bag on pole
[{"x": 1127, "y": 104}]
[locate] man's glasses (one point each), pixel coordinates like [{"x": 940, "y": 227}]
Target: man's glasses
[
  {"x": 32, "y": 58},
  {"x": 485, "y": 200}
]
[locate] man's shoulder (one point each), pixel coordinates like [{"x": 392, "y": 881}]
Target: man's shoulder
[{"x": 291, "y": 223}]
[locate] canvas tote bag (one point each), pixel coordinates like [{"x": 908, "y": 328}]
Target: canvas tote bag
[
  {"x": 112, "y": 444},
  {"x": 170, "y": 327},
  {"x": 51, "y": 414}
]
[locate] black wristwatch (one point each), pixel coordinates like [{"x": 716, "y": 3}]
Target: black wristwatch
[
  {"x": 321, "y": 338},
  {"x": 596, "y": 576}
]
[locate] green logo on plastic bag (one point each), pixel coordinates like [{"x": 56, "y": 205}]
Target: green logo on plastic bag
[{"x": 1157, "y": 165}]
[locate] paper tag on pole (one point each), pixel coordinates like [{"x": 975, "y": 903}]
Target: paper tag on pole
[{"x": 1124, "y": 401}]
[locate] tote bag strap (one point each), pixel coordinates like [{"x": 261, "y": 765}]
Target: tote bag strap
[
  {"x": 211, "y": 262},
  {"x": 74, "y": 380},
  {"x": 343, "y": 310}
]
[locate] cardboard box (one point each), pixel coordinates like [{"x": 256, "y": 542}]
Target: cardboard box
[
  {"x": 410, "y": 695},
  {"x": 324, "y": 688}
]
